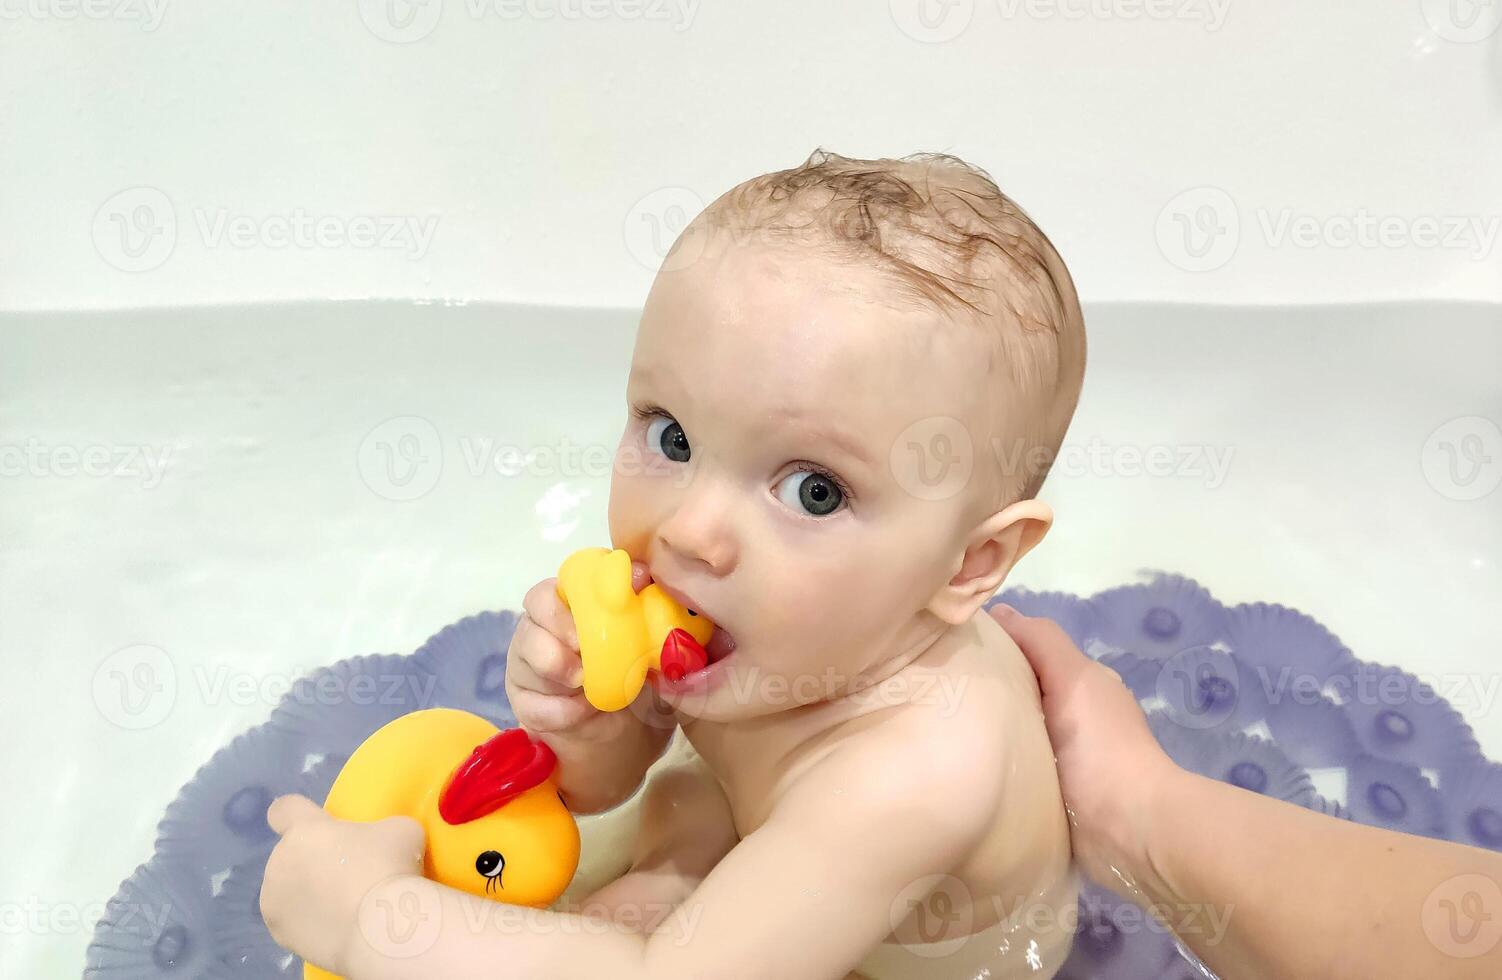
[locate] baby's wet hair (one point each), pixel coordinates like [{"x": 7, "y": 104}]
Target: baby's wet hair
[{"x": 948, "y": 238}]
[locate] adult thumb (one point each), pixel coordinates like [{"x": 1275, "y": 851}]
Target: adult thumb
[{"x": 1048, "y": 649}]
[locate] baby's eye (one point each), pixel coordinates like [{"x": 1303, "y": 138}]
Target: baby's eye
[
  {"x": 816, "y": 493},
  {"x": 668, "y": 437}
]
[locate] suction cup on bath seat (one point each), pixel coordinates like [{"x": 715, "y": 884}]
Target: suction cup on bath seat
[
  {"x": 1208, "y": 689},
  {"x": 219, "y": 818},
  {"x": 1472, "y": 799},
  {"x": 1074, "y": 615},
  {"x": 1290, "y": 646},
  {"x": 157, "y": 925},
  {"x": 1116, "y": 939},
  {"x": 1393, "y": 795},
  {"x": 1398, "y": 717},
  {"x": 1159, "y": 619},
  {"x": 1242, "y": 760},
  {"x": 1312, "y": 730},
  {"x": 469, "y": 660},
  {"x": 332, "y": 710},
  {"x": 238, "y": 932}
]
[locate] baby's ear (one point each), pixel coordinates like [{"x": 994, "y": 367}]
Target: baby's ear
[{"x": 994, "y": 548}]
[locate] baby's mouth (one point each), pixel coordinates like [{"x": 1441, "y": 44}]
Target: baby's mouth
[{"x": 721, "y": 645}]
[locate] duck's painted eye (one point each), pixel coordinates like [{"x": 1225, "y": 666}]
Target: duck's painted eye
[
  {"x": 814, "y": 493},
  {"x": 490, "y": 864},
  {"x": 667, "y": 437}
]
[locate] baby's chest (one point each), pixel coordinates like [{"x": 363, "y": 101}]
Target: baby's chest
[{"x": 755, "y": 779}]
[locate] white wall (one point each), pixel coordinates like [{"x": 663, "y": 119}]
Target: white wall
[{"x": 538, "y": 145}]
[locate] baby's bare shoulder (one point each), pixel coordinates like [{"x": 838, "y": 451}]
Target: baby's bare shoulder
[{"x": 928, "y": 748}]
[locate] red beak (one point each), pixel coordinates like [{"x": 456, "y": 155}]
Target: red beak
[{"x": 681, "y": 654}]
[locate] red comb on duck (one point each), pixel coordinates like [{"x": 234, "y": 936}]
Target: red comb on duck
[
  {"x": 496, "y": 772},
  {"x": 681, "y": 654}
]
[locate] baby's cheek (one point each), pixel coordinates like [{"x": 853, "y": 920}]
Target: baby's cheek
[{"x": 629, "y": 513}]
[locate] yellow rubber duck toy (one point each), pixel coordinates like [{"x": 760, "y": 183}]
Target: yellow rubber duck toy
[
  {"x": 495, "y": 823},
  {"x": 623, "y": 634}
]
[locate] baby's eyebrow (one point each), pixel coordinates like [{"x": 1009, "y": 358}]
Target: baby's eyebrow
[{"x": 845, "y": 443}]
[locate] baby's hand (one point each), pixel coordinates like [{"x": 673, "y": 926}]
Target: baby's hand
[
  {"x": 544, "y": 673},
  {"x": 1109, "y": 762},
  {"x": 318, "y": 887}
]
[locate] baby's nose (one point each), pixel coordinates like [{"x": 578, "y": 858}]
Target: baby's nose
[{"x": 700, "y": 530}]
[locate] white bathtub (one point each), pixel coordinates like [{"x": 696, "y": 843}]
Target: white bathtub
[{"x": 336, "y": 482}]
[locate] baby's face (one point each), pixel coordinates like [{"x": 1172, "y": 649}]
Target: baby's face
[{"x": 763, "y": 472}]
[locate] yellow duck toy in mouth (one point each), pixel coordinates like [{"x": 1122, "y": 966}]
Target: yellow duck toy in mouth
[
  {"x": 623, "y": 634},
  {"x": 486, "y": 799}
]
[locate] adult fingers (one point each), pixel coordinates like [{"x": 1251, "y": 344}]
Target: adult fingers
[{"x": 1048, "y": 649}]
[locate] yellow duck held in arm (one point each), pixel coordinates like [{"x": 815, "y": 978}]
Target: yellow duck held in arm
[
  {"x": 623, "y": 634},
  {"x": 494, "y": 821}
]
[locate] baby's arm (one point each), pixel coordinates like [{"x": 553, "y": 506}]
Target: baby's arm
[
  {"x": 806, "y": 895},
  {"x": 686, "y": 828}
]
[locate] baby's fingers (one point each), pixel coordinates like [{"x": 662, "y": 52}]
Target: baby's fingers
[
  {"x": 543, "y": 713},
  {"x": 545, "y": 663},
  {"x": 286, "y": 812},
  {"x": 547, "y": 610}
]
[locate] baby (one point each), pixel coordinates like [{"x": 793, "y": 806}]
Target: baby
[{"x": 845, "y": 378}]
